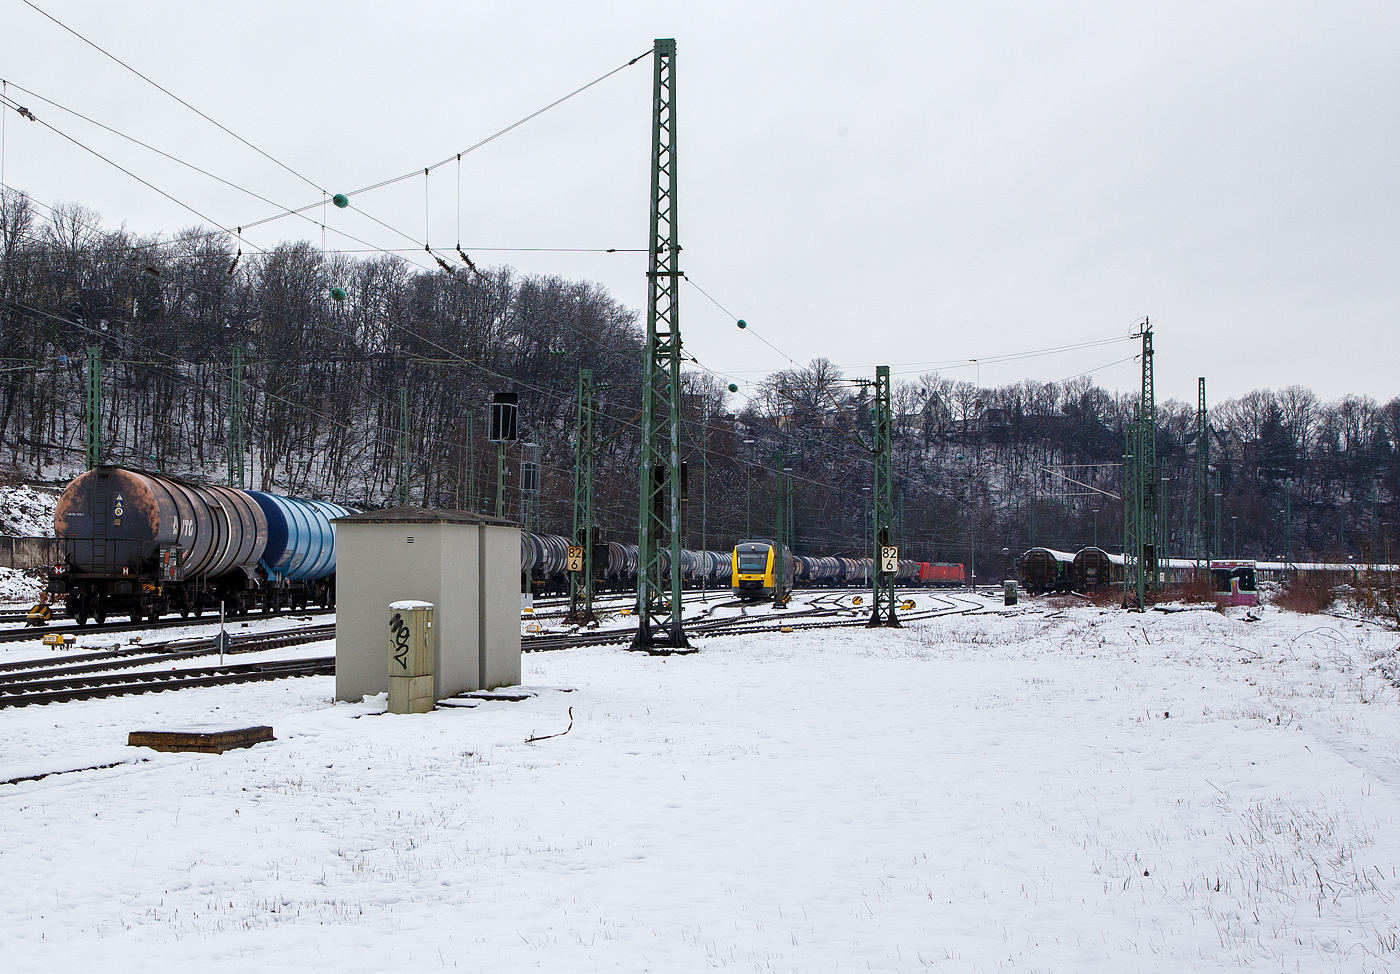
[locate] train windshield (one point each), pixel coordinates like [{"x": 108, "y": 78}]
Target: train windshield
[{"x": 753, "y": 564}]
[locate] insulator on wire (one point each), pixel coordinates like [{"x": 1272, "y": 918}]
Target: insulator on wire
[
  {"x": 466, "y": 260},
  {"x": 443, "y": 264},
  {"x": 236, "y": 258}
]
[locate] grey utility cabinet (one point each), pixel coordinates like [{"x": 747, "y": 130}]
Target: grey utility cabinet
[{"x": 467, "y": 565}]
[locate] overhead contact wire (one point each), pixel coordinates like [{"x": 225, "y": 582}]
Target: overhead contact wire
[
  {"x": 11, "y": 103},
  {"x": 747, "y": 326},
  {"x": 472, "y": 148},
  {"x": 325, "y": 193},
  {"x": 509, "y": 128},
  {"x": 171, "y": 94}
]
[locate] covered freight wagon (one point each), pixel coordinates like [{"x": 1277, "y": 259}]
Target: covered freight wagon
[
  {"x": 1093, "y": 568},
  {"x": 1046, "y": 570}
]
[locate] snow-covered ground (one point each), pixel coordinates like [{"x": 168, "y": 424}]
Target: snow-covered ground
[
  {"x": 18, "y": 588},
  {"x": 1070, "y": 791},
  {"x": 27, "y": 512}
]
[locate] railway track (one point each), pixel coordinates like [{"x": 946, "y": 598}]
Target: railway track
[
  {"x": 13, "y": 616},
  {"x": 34, "y": 632},
  {"x": 90, "y": 675},
  {"x": 813, "y": 617},
  {"x": 125, "y": 684},
  {"x": 557, "y": 608}
]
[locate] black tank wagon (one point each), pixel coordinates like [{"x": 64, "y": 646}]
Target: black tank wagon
[
  {"x": 123, "y": 535},
  {"x": 143, "y": 544}
]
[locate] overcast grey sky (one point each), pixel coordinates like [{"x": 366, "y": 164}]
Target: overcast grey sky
[{"x": 902, "y": 183}]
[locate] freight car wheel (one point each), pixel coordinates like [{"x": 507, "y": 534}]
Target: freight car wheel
[
  {"x": 80, "y": 616},
  {"x": 99, "y": 615}
]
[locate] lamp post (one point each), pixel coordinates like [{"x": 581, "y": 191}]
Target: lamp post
[
  {"x": 1288, "y": 520},
  {"x": 790, "y": 516},
  {"x": 529, "y": 499},
  {"x": 972, "y": 557},
  {"x": 865, "y": 520},
  {"x": 748, "y": 489},
  {"x": 1218, "y": 546},
  {"x": 1166, "y": 532},
  {"x": 780, "y": 563},
  {"x": 704, "y": 510},
  {"x": 972, "y": 522},
  {"x": 1234, "y": 536},
  {"x": 1096, "y": 527},
  {"x": 1204, "y": 527}
]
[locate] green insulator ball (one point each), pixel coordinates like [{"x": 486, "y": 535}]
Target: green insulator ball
[
  {"x": 340, "y": 200},
  {"x": 338, "y": 293},
  {"x": 733, "y": 387},
  {"x": 743, "y": 323}
]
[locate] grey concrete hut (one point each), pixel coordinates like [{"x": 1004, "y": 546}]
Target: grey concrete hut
[{"x": 467, "y": 565}]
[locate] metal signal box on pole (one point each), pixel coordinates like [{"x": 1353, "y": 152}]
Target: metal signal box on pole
[
  {"x": 659, "y": 605},
  {"x": 530, "y": 470},
  {"x": 504, "y": 417},
  {"x": 500, "y": 430}
]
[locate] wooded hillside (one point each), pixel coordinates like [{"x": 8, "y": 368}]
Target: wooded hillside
[{"x": 323, "y": 381}]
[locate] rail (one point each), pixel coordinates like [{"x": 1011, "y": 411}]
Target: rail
[{"x": 88, "y": 675}]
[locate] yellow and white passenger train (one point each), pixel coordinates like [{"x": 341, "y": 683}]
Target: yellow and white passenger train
[{"x": 756, "y": 568}]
